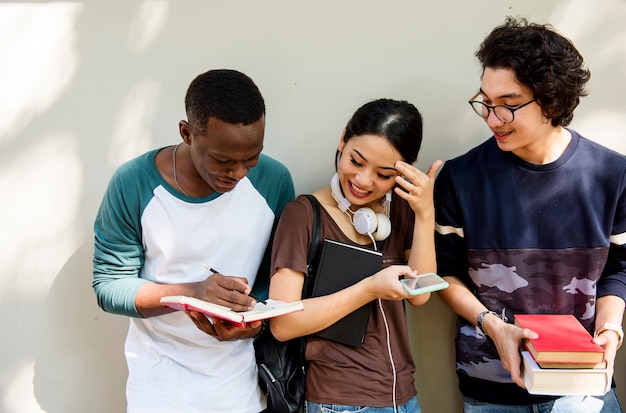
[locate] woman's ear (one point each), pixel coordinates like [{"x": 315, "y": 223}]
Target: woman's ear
[
  {"x": 185, "y": 131},
  {"x": 341, "y": 141}
]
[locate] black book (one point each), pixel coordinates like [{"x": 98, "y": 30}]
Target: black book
[{"x": 342, "y": 265}]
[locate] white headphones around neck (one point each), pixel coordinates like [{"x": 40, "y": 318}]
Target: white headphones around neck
[{"x": 365, "y": 220}]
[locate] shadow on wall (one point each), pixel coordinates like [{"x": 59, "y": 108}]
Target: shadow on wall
[
  {"x": 431, "y": 332},
  {"x": 80, "y": 350}
]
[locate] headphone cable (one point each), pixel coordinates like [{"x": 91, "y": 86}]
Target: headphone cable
[{"x": 393, "y": 366}]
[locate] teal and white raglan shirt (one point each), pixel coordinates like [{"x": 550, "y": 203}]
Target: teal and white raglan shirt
[{"x": 146, "y": 231}]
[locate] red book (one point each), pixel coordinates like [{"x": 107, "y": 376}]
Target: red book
[{"x": 562, "y": 341}]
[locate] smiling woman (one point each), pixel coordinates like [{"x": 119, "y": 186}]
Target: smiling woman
[{"x": 369, "y": 205}]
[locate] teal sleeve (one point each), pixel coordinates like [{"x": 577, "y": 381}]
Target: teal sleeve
[
  {"x": 274, "y": 182},
  {"x": 118, "y": 251}
]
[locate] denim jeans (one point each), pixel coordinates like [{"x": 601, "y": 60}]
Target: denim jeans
[
  {"x": 566, "y": 404},
  {"x": 412, "y": 406}
]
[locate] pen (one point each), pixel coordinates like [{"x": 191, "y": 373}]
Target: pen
[{"x": 214, "y": 271}]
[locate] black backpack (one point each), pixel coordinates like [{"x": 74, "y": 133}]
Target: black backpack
[{"x": 281, "y": 364}]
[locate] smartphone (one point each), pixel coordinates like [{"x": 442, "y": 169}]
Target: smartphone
[{"x": 424, "y": 283}]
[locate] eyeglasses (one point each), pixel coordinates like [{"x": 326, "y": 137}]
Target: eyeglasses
[{"x": 505, "y": 113}]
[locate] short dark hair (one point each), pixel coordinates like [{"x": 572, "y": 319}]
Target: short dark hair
[
  {"x": 543, "y": 60},
  {"x": 225, "y": 94},
  {"x": 396, "y": 120}
]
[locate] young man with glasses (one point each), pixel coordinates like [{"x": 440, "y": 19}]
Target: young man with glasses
[{"x": 533, "y": 220}]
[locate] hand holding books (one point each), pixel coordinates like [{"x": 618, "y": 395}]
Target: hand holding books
[
  {"x": 562, "y": 341},
  {"x": 563, "y": 359},
  {"x": 506, "y": 337}
]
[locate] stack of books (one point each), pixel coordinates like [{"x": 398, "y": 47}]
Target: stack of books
[{"x": 563, "y": 360}]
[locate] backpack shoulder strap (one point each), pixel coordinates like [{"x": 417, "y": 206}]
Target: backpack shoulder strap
[{"x": 316, "y": 234}]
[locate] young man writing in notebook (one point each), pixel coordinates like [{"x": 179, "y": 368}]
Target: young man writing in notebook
[{"x": 212, "y": 199}]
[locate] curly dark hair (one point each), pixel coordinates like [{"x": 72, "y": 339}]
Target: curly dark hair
[
  {"x": 397, "y": 120},
  {"x": 225, "y": 94},
  {"x": 543, "y": 60}
]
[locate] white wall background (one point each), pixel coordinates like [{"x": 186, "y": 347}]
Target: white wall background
[{"x": 85, "y": 86}]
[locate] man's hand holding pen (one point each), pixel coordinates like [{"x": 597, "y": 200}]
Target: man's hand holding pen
[
  {"x": 214, "y": 271},
  {"x": 231, "y": 292}
]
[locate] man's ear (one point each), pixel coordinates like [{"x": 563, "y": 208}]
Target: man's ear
[{"x": 185, "y": 131}]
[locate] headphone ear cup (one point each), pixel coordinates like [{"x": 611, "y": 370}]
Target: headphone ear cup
[
  {"x": 364, "y": 220},
  {"x": 383, "y": 229}
]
